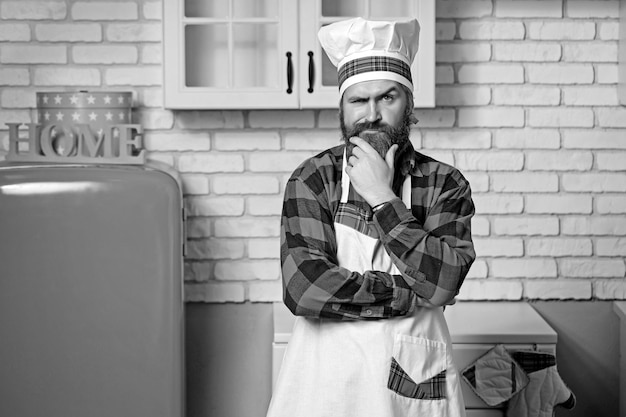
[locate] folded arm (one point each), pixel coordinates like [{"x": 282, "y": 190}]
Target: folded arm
[
  {"x": 434, "y": 256},
  {"x": 314, "y": 284}
]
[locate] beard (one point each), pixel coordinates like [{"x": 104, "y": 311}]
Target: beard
[{"x": 383, "y": 137}]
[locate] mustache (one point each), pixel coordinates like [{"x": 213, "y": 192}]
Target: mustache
[{"x": 362, "y": 127}]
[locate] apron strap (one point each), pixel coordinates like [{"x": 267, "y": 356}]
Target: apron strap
[
  {"x": 345, "y": 180},
  {"x": 406, "y": 191}
]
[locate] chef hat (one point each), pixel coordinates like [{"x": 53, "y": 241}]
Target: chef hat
[{"x": 364, "y": 50}]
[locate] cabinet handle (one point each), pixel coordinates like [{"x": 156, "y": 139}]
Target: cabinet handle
[
  {"x": 311, "y": 72},
  {"x": 289, "y": 74}
]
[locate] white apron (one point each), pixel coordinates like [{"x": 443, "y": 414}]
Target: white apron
[{"x": 336, "y": 368}]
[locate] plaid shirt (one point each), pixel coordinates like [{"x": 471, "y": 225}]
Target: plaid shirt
[{"x": 430, "y": 244}]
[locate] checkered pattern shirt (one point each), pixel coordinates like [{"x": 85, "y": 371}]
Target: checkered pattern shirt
[{"x": 430, "y": 244}]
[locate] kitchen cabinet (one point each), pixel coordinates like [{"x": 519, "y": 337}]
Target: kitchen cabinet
[
  {"x": 475, "y": 328},
  {"x": 264, "y": 54}
]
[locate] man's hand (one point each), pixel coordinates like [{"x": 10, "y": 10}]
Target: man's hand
[{"x": 370, "y": 174}]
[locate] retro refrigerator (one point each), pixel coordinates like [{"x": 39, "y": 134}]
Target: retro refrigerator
[{"x": 91, "y": 299}]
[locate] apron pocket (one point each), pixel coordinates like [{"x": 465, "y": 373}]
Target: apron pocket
[{"x": 418, "y": 368}]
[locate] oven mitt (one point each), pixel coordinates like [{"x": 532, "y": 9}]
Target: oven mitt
[
  {"x": 495, "y": 377},
  {"x": 545, "y": 388}
]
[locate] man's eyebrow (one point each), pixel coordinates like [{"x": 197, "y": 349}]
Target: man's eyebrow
[
  {"x": 393, "y": 89},
  {"x": 357, "y": 96}
]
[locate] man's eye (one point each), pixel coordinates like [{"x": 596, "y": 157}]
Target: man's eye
[{"x": 387, "y": 98}]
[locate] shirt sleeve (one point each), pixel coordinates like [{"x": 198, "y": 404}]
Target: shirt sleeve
[
  {"x": 314, "y": 285},
  {"x": 434, "y": 256}
]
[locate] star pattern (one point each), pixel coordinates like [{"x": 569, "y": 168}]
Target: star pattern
[
  {"x": 93, "y": 99},
  {"x": 99, "y": 110}
]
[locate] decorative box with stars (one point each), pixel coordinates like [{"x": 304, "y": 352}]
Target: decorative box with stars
[
  {"x": 79, "y": 127},
  {"x": 100, "y": 110}
]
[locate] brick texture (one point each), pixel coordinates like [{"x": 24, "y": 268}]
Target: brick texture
[{"x": 526, "y": 108}]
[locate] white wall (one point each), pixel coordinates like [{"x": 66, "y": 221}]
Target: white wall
[{"x": 526, "y": 107}]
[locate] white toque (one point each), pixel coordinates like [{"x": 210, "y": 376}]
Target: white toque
[{"x": 364, "y": 50}]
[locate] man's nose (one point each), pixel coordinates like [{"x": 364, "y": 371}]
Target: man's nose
[{"x": 373, "y": 115}]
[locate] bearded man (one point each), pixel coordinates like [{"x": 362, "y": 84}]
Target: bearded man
[{"x": 375, "y": 241}]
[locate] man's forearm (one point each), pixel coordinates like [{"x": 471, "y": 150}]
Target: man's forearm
[{"x": 434, "y": 263}]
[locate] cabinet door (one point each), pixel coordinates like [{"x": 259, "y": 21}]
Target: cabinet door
[
  {"x": 230, "y": 54},
  {"x": 318, "y": 78}
]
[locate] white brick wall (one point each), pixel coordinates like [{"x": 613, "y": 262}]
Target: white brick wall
[{"x": 526, "y": 107}]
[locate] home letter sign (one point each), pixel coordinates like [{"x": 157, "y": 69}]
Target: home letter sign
[{"x": 60, "y": 142}]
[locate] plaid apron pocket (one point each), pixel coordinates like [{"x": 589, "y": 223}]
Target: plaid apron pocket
[{"x": 418, "y": 368}]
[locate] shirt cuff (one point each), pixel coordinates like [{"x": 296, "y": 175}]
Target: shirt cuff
[
  {"x": 392, "y": 214},
  {"x": 403, "y": 301}
]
